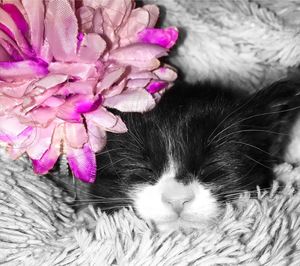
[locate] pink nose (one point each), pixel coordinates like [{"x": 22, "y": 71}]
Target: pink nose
[{"x": 177, "y": 197}]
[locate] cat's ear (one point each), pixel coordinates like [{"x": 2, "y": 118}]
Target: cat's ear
[
  {"x": 277, "y": 100},
  {"x": 278, "y": 96}
]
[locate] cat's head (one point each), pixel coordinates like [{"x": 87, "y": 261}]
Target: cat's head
[{"x": 200, "y": 147}]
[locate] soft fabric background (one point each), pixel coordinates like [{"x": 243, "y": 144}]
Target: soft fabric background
[{"x": 243, "y": 43}]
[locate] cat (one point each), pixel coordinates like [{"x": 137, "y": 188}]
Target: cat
[{"x": 197, "y": 149}]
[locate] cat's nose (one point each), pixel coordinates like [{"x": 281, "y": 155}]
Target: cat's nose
[{"x": 178, "y": 201}]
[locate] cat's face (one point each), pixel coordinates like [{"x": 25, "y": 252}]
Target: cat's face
[{"x": 178, "y": 164}]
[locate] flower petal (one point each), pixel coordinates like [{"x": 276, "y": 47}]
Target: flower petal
[
  {"x": 166, "y": 73},
  {"x": 76, "y": 70},
  {"x": 75, "y": 134},
  {"x": 17, "y": 17},
  {"x": 82, "y": 163},
  {"x": 61, "y": 30},
  {"x": 35, "y": 15},
  {"x": 142, "y": 56},
  {"x": 16, "y": 71},
  {"x": 102, "y": 118},
  {"x": 15, "y": 32},
  {"x": 156, "y": 86},
  {"x": 49, "y": 158},
  {"x": 8, "y": 103},
  {"x": 85, "y": 15},
  {"x": 153, "y": 11},
  {"x": 110, "y": 78},
  {"x": 119, "y": 127},
  {"x": 91, "y": 48},
  {"x": 41, "y": 116},
  {"x": 11, "y": 126},
  {"x": 46, "y": 162},
  {"x": 137, "y": 21},
  {"x": 97, "y": 136},
  {"x": 131, "y": 101},
  {"x": 41, "y": 141},
  {"x": 16, "y": 89},
  {"x": 163, "y": 37}
]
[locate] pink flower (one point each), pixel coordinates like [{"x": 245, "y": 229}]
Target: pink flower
[{"x": 63, "y": 63}]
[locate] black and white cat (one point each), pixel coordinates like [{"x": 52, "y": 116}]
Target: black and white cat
[{"x": 200, "y": 147}]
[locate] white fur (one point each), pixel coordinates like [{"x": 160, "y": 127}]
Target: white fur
[
  {"x": 199, "y": 205},
  {"x": 292, "y": 153}
]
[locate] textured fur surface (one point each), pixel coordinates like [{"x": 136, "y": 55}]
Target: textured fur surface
[{"x": 39, "y": 228}]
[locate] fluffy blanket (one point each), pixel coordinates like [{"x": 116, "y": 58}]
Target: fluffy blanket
[{"x": 249, "y": 43}]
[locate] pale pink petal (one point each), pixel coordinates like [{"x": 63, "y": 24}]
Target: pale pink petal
[
  {"x": 163, "y": 37},
  {"x": 92, "y": 3},
  {"x": 42, "y": 116},
  {"x": 137, "y": 21},
  {"x": 85, "y": 16},
  {"x": 61, "y": 30},
  {"x": 8, "y": 103},
  {"x": 153, "y": 11},
  {"x": 50, "y": 81},
  {"x": 131, "y": 101},
  {"x": 97, "y": 136},
  {"x": 85, "y": 87},
  {"x": 37, "y": 97},
  {"x": 119, "y": 127},
  {"x": 11, "y": 126},
  {"x": 77, "y": 70},
  {"x": 109, "y": 30},
  {"x": 75, "y": 134},
  {"x": 139, "y": 55},
  {"x": 98, "y": 22},
  {"x": 82, "y": 163},
  {"x": 35, "y": 15},
  {"x": 53, "y": 102},
  {"x": 141, "y": 75},
  {"x": 115, "y": 11},
  {"x": 137, "y": 83},
  {"x": 110, "y": 78},
  {"x": 16, "y": 89},
  {"x": 114, "y": 90},
  {"x": 17, "y": 71},
  {"x": 41, "y": 142},
  {"x": 166, "y": 73},
  {"x": 102, "y": 118},
  {"x": 67, "y": 112},
  {"x": 91, "y": 48}
]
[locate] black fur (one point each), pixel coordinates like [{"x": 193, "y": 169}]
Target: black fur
[{"x": 222, "y": 138}]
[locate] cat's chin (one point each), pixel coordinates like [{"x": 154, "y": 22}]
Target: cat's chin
[{"x": 182, "y": 225}]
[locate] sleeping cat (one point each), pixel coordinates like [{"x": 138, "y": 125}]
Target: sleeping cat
[{"x": 202, "y": 145}]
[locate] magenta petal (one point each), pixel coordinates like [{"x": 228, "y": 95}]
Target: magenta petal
[
  {"x": 156, "y": 86},
  {"x": 82, "y": 163},
  {"x": 46, "y": 162},
  {"x": 17, "y": 16},
  {"x": 163, "y": 37},
  {"x": 88, "y": 105}
]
